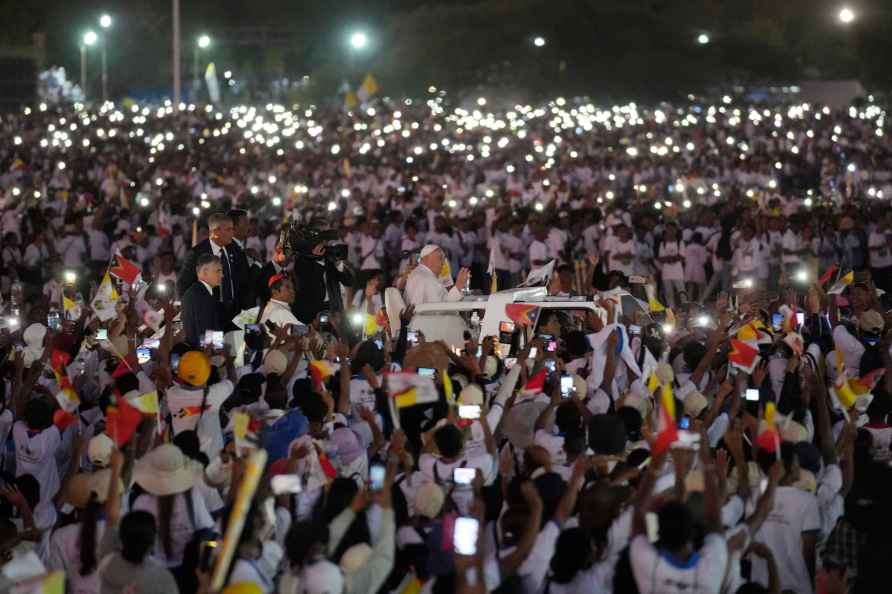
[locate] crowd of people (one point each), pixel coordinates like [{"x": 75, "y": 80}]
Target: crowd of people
[{"x": 206, "y": 315}]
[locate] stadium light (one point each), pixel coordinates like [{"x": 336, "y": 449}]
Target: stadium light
[
  {"x": 105, "y": 21},
  {"x": 703, "y": 39},
  {"x": 846, "y": 15},
  {"x": 90, "y": 38},
  {"x": 539, "y": 41},
  {"x": 204, "y": 41}
]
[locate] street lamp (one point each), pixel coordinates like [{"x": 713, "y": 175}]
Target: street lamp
[
  {"x": 703, "y": 39},
  {"x": 105, "y": 21},
  {"x": 846, "y": 15},
  {"x": 203, "y": 42},
  {"x": 89, "y": 39},
  {"x": 539, "y": 41}
]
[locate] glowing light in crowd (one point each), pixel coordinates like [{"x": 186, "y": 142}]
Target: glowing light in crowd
[
  {"x": 846, "y": 15},
  {"x": 539, "y": 41},
  {"x": 358, "y": 40},
  {"x": 703, "y": 39}
]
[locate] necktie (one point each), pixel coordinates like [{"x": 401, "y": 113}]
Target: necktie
[{"x": 226, "y": 294}]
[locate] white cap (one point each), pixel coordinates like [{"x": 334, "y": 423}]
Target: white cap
[
  {"x": 322, "y": 577},
  {"x": 428, "y": 250}
]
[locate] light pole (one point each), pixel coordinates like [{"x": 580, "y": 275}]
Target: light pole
[
  {"x": 105, "y": 21},
  {"x": 89, "y": 39},
  {"x": 203, "y": 42}
]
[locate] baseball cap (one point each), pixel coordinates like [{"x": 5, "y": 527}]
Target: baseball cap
[
  {"x": 99, "y": 450},
  {"x": 195, "y": 368},
  {"x": 429, "y": 249},
  {"x": 322, "y": 577}
]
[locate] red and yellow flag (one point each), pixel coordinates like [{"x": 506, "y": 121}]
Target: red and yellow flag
[{"x": 520, "y": 313}]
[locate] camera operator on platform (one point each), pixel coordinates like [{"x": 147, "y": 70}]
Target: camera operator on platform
[{"x": 317, "y": 274}]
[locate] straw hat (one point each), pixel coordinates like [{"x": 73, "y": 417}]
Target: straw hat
[
  {"x": 322, "y": 577},
  {"x": 164, "y": 471},
  {"x": 82, "y": 485},
  {"x": 694, "y": 403}
]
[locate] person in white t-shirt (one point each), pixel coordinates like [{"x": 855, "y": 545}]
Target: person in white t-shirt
[
  {"x": 749, "y": 255},
  {"x": 194, "y": 405},
  {"x": 621, "y": 250},
  {"x": 671, "y": 565},
  {"x": 880, "y": 252},
  {"x": 791, "y": 529},
  {"x": 671, "y": 256}
]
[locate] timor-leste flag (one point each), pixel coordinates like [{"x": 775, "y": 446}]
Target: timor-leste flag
[
  {"x": 320, "y": 370},
  {"x": 667, "y": 430},
  {"x": 520, "y": 313},
  {"x": 125, "y": 270},
  {"x": 743, "y": 356}
]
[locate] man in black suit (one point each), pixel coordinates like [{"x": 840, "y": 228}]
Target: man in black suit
[
  {"x": 202, "y": 310},
  {"x": 234, "y": 285}
]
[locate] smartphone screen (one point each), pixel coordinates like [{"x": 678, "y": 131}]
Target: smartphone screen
[
  {"x": 174, "y": 362},
  {"x": 53, "y": 321},
  {"x": 102, "y": 334},
  {"x": 550, "y": 364},
  {"x": 143, "y": 355},
  {"x": 533, "y": 352},
  {"x": 463, "y": 476},
  {"x": 551, "y": 346},
  {"x": 469, "y": 411},
  {"x": 752, "y": 394},
  {"x": 464, "y": 535},
  {"x": 412, "y": 337},
  {"x": 633, "y": 329},
  {"x": 427, "y": 371},
  {"x": 510, "y": 362},
  {"x": 506, "y": 327},
  {"x": 777, "y": 321},
  {"x": 684, "y": 422},
  {"x": 152, "y": 343},
  {"x": 800, "y": 318},
  {"x": 566, "y": 385},
  {"x": 285, "y": 483},
  {"x": 376, "y": 477}
]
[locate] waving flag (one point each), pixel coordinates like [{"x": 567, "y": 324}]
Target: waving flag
[
  {"x": 409, "y": 389},
  {"x": 536, "y": 384},
  {"x": 750, "y": 331},
  {"x": 71, "y": 308},
  {"x": 743, "y": 356},
  {"x": 67, "y": 396},
  {"x": 769, "y": 438},
  {"x": 447, "y": 386},
  {"x": 375, "y": 323},
  {"x": 840, "y": 285},
  {"x": 654, "y": 305},
  {"x": 828, "y": 274},
  {"x": 520, "y": 313},
  {"x": 320, "y": 370},
  {"x": 106, "y": 299},
  {"x": 146, "y": 403},
  {"x": 667, "y": 430},
  {"x": 867, "y": 382},
  {"x": 125, "y": 270},
  {"x": 121, "y": 422},
  {"x": 368, "y": 88}
]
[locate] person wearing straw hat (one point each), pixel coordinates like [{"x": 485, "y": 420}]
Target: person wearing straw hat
[
  {"x": 167, "y": 480},
  {"x": 74, "y": 548}
]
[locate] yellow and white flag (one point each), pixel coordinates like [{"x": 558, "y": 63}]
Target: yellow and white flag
[
  {"x": 409, "y": 389},
  {"x": 368, "y": 88},
  {"x": 106, "y": 299}
]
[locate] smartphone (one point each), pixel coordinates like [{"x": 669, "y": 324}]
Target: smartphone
[
  {"x": 800, "y": 318},
  {"x": 506, "y": 327},
  {"x": 152, "y": 343},
  {"x": 54, "y": 321},
  {"x": 323, "y": 318},
  {"x": 633, "y": 329},
  {"x": 510, "y": 362},
  {"x": 427, "y": 371},
  {"x": 285, "y": 483},
  {"x": 206, "y": 560},
  {"x": 376, "y": 477},
  {"x": 174, "y": 362},
  {"x": 469, "y": 411},
  {"x": 298, "y": 330},
  {"x": 412, "y": 337},
  {"x": 213, "y": 338},
  {"x": 533, "y": 352},
  {"x": 550, "y": 364},
  {"x": 684, "y": 422},
  {"x": 566, "y": 385},
  {"x": 464, "y": 535},
  {"x": 752, "y": 394},
  {"x": 379, "y": 343},
  {"x": 143, "y": 355},
  {"x": 479, "y": 351},
  {"x": 463, "y": 476},
  {"x": 652, "y": 523},
  {"x": 551, "y": 346},
  {"x": 102, "y": 334}
]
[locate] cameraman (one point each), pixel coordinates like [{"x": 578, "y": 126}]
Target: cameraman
[{"x": 317, "y": 279}]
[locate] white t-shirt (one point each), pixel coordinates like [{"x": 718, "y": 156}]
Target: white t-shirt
[
  {"x": 534, "y": 568},
  {"x": 589, "y": 581},
  {"x": 748, "y": 256},
  {"x": 182, "y": 527},
  {"x": 538, "y": 254},
  {"x": 184, "y": 405},
  {"x": 675, "y": 270},
  {"x": 553, "y": 443},
  {"x": 791, "y": 242},
  {"x": 35, "y": 454},
  {"x": 794, "y": 512},
  {"x": 619, "y": 248},
  {"x": 656, "y": 573},
  {"x": 65, "y": 554}
]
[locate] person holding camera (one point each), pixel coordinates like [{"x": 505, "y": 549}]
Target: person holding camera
[{"x": 317, "y": 279}]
